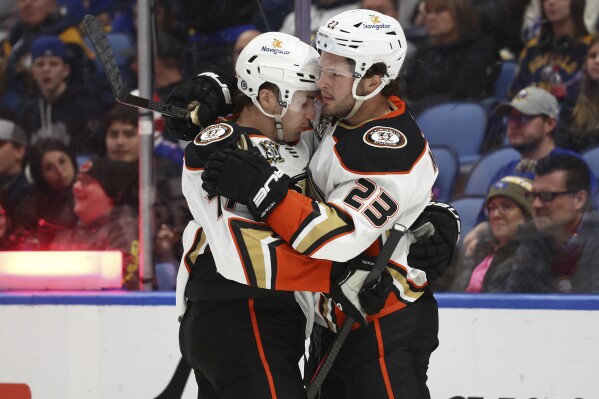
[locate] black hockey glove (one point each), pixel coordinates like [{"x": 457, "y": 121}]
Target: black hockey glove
[
  {"x": 206, "y": 96},
  {"x": 437, "y": 231},
  {"x": 247, "y": 178},
  {"x": 352, "y": 296}
]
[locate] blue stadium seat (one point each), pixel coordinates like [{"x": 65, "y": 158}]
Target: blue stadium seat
[
  {"x": 479, "y": 178},
  {"x": 449, "y": 167},
  {"x": 461, "y": 125},
  {"x": 468, "y": 209},
  {"x": 591, "y": 156},
  {"x": 506, "y": 76}
]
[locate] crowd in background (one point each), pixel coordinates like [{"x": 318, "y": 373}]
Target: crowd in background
[{"x": 65, "y": 144}]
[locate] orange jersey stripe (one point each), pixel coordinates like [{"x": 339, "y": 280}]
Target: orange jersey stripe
[
  {"x": 260, "y": 348},
  {"x": 301, "y": 273},
  {"x": 289, "y": 214},
  {"x": 381, "y": 346}
]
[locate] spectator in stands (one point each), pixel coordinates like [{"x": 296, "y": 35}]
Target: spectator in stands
[
  {"x": 6, "y": 244},
  {"x": 104, "y": 222},
  {"x": 57, "y": 102},
  {"x": 47, "y": 206},
  {"x": 553, "y": 59},
  {"x": 121, "y": 140},
  {"x": 122, "y": 144},
  {"x": 37, "y": 18},
  {"x": 579, "y": 122},
  {"x": 532, "y": 118},
  {"x": 487, "y": 268},
  {"x": 457, "y": 62},
  {"x": 320, "y": 12},
  {"x": 13, "y": 151},
  {"x": 564, "y": 255}
]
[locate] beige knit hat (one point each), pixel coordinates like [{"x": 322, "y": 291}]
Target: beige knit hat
[{"x": 514, "y": 188}]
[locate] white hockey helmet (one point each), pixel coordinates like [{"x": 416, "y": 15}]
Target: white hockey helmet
[
  {"x": 277, "y": 58},
  {"x": 367, "y": 37}
]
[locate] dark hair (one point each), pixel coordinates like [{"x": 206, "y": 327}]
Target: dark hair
[
  {"x": 586, "y": 109},
  {"x": 466, "y": 18},
  {"x": 578, "y": 176},
  {"x": 122, "y": 113},
  {"x": 547, "y": 35},
  {"x": 380, "y": 68},
  {"x": 37, "y": 152},
  {"x": 240, "y": 100}
]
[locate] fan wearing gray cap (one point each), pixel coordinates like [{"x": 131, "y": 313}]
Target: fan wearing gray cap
[
  {"x": 13, "y": 151},
  {"x": 531, "y": 120}
]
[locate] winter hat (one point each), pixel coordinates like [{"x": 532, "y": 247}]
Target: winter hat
[
  {"x": 115, "y": 177},
  {"x": 48, "y": 45},
  {"x": 531, "y": 101},
  {"x": 514, "y": 188}
]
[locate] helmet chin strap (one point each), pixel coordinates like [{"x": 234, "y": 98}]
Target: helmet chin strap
[
  {"x": 360, "y": 99},
  {"x": 279, "y": 126},
  {"x": 277, "y": 117}
]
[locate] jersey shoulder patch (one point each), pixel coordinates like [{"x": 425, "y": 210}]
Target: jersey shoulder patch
[
  {"x": 385, "y": 137},
  {"x": 209, "y": 140},
  {"x": 388, "y": 145},
  {"x": 214, "y": 133}
]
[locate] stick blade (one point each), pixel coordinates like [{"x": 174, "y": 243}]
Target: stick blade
[{"x": 103, "y": 50}]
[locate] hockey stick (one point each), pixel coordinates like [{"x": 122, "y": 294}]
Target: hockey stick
[
  {"x": 104, "y": 52},
  {"x": 397, "y": 232}
]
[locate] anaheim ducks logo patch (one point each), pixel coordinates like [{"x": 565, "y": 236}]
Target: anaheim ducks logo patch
[
  {"x": 213, "y": 133},
  {"x": 385, "y": 137}
]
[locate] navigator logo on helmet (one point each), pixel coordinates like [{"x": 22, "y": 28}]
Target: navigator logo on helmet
[
  {"x": 367, "y": 37},
  {"x": 282, "y": 60}
]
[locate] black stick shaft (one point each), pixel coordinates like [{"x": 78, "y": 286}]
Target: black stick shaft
[
  {"x": 103, "y": 50},
  {"x": 379, "y": 265}
]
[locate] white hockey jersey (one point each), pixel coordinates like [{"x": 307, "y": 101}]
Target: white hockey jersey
[
  {"x": 363, "y": 180},
  {"x": 246, "y": 251}
]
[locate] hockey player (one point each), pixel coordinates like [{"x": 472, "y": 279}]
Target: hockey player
[
  {"x": 372, "y": 168},
  {"x": 243, "y": 331}
]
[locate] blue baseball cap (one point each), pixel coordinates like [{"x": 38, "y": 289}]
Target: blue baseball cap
[{"x": 48, "y": 45}]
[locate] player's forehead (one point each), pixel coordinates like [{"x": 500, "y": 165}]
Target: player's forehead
[
  {"x": 305, "y": 95},
  {"x": 333, "y": 61}
]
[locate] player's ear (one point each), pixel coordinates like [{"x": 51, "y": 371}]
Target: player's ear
[
  {"x": 371, "y": 83},
  {"x": 268, "y": 100}
]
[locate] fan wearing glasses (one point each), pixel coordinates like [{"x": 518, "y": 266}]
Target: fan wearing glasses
[
  {"x": 507, "y": 208},
  {"x": 531, "y": 121},
  {"x": 563, "y": 256}
]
